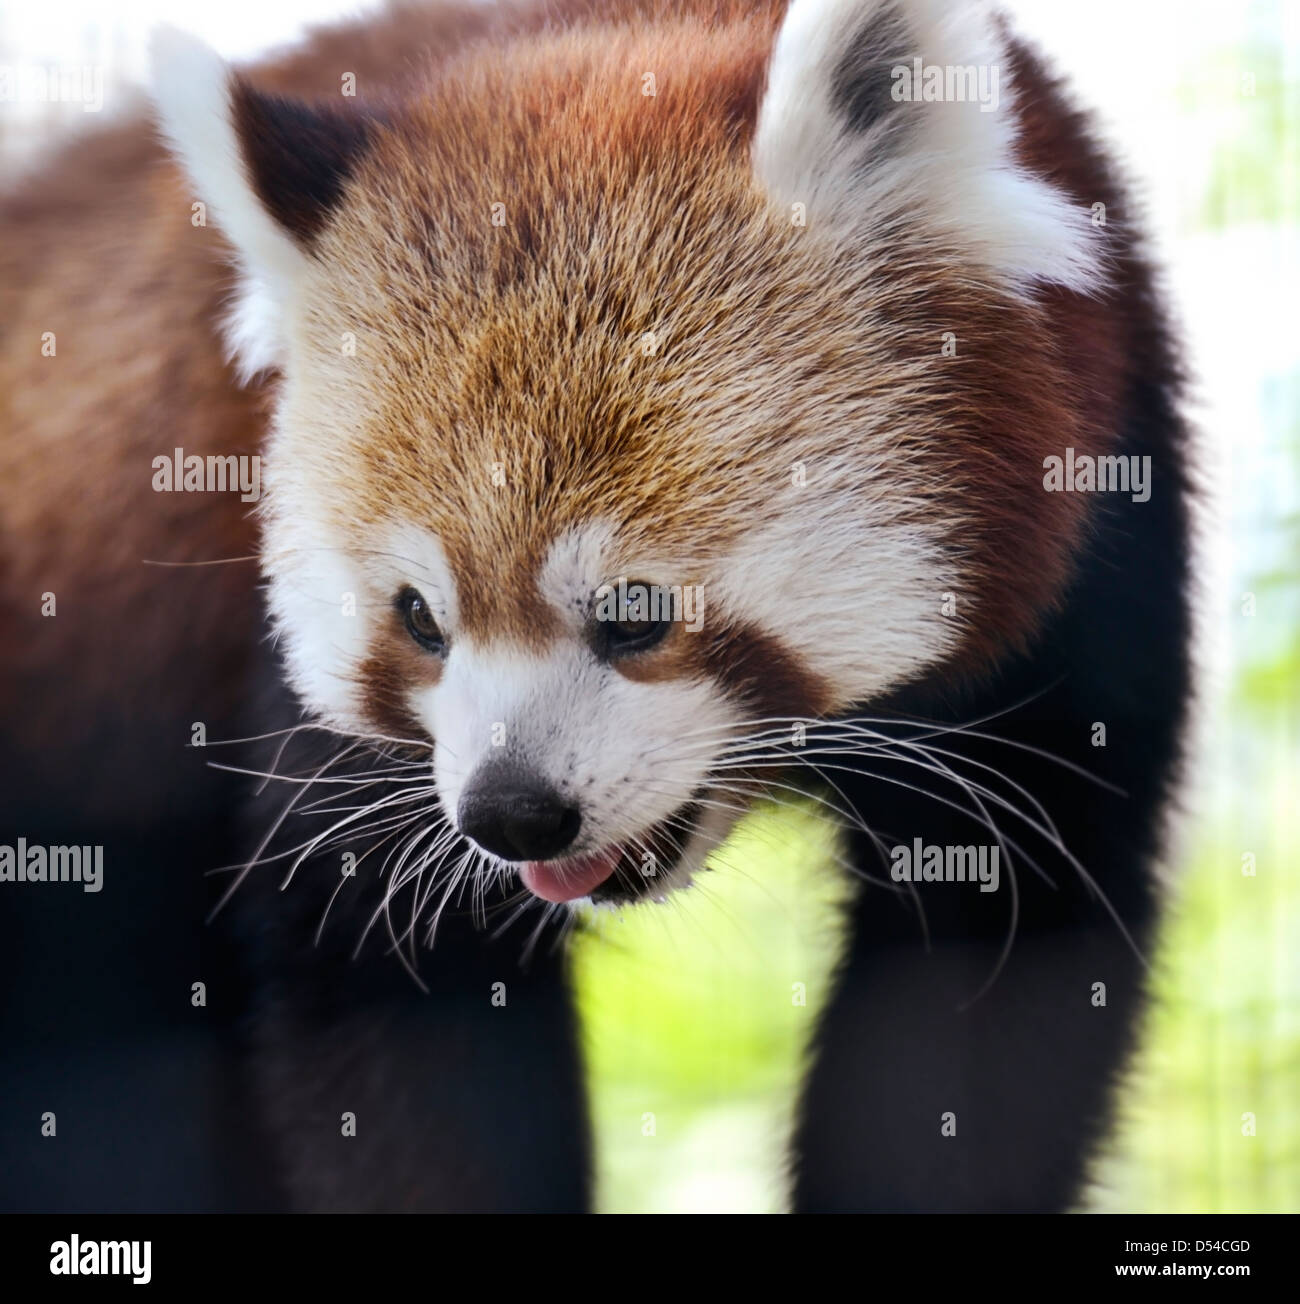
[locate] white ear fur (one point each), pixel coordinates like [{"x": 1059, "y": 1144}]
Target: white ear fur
[
  {"x": 946, "y": 166},
  {"x": 191, "y": 89}
]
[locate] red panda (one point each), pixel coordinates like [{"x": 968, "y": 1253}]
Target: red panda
[{"x": 655, "y": 405}]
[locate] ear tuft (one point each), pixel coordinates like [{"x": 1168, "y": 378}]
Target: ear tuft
[
  {"x": 192, "y": 90},
  {"x": 852, "y": 127},
  {"x": 298, "y": 156},
  {"x": 270, "y": 170}
]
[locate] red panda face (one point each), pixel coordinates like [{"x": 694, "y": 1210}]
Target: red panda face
[{"x": 617, "y": 431}]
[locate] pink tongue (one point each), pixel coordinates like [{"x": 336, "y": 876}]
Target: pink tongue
[{"x": 567, "y": 881}]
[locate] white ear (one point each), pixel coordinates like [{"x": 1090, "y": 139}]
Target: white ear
[
  {"x": 848, "y": 129},
  {"x": 192, "y": 91}
]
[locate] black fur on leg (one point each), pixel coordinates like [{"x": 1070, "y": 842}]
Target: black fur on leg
[{"x": 930, "y": 1024}]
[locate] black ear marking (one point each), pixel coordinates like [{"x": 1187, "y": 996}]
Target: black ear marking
[
  {"x": 299, "y": 156},
  {"x": 862, "y": 83}
]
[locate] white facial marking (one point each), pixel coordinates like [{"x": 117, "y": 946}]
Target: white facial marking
[
  {"x": 854, "y": 591},
  {"x": 576, "y": 564},
  {"x": 627, "y": 754},
  {"x": 408, "y": 555},
  {"x": 319, "y": 607}
]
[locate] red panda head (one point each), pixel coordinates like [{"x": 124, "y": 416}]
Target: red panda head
[{"x": 700, "y": 304}]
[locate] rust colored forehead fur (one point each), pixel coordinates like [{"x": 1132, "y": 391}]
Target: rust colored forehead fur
[
  {"x": 522, "y": 260},
  {"x": 571, "y": 304}
]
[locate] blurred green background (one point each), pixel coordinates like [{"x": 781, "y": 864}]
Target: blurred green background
[{"x": 694, "y": 1040}]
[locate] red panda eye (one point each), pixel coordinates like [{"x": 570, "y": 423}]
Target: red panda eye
[
  {"x": 419, "y": 620},
  {"x": 633, "y": 625},
  {"x": 627, "y": 634}
]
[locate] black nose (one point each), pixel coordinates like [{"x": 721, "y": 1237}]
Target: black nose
[{"x": 516, "y": 817}]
